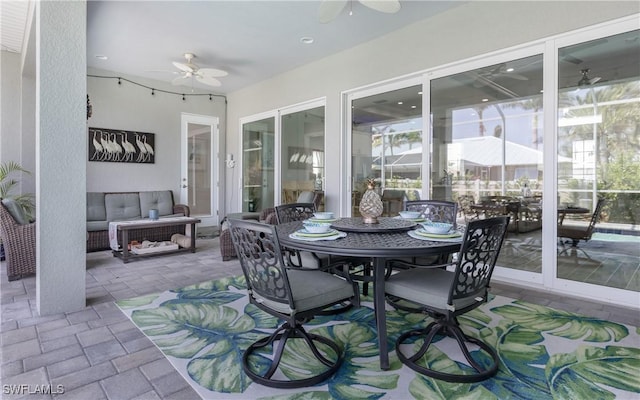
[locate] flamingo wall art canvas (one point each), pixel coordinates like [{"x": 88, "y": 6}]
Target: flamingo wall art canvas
[{"x": 114, "y": 145}]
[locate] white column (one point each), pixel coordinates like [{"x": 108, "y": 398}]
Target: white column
[{"x": 61, "y": 146}]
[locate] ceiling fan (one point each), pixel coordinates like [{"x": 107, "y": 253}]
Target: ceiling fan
[
  {"x": 189, "y": 71},
  {"x": 330, "y": 9},
  {"x": 501, "y": 70},
  {"x": 585, "y": 80}
]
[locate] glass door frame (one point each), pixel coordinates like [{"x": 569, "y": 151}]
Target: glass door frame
[
  {"x": 277, "y": 151},
  {"x": 546, "y": 280},
  {"x": 548, "y": 219},
  {"x": 214, "y": 164},
  {"x": 307, "y": 105},
  {"x": 347, "y": 98},
  {"x": 610, "y": 294}
]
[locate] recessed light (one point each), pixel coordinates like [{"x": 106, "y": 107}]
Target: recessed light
[
  {"x": 306, "y": 40},
  {"x": 400, "y": 103},
  {"x": 101, "y": 57},
  {"x": 414, "y": 106},
  {"x": 485, "y": 100},
  {"x": 509, "y": 69}
]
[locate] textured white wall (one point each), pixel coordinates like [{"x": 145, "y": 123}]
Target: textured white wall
[
  {"x": 9, "y": 93},
  {"x": 463, "y": 32},
  {"x": 60, "y": 172},
  {"x": 133, "y": 108}
]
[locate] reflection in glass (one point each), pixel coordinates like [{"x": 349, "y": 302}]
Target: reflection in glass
[
  {"x": 487, "y": 150},
  {"x": 200, "y": 174},
  {"x": 302, "y": 153},
  {"x": 386, "y": 143},
  {"x": 257, "y": 165},
  {"x": 599, "y": 156}
]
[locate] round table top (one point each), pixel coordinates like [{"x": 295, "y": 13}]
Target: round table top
[
  {"x": 573, "y": 210},
  {"x": 368, "y": 244},
  {"x": 384, "y": 225}
]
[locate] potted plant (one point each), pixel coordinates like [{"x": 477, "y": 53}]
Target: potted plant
[{"x": 9, "y": 172}]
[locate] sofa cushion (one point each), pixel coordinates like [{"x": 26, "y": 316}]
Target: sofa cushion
[
  {"x": 122, "y": 206},
  {"x": 161, "y": 200},
  {"x": 96, "y": 210},
  {"x": 93, "y": 226},
  {"x": 16, "y": 211}
]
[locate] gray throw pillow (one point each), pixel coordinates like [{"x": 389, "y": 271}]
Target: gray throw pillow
[{"x": 16, "y": 211}]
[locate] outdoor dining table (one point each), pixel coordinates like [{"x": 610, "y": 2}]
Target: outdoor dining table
[
  {"x": 383, "y": 241},
  {"x": 563, "y": 211}
]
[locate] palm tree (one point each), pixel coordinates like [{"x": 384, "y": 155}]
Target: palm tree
[{"x": 8, "y": 181}]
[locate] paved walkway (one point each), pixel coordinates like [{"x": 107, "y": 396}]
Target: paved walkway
[{"x": 97, "y": 353}]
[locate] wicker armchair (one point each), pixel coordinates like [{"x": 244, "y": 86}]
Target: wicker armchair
[{"x": 19, "y": 241}]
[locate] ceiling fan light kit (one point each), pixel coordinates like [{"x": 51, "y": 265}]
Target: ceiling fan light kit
[
  {"x": 585, "y": 80},
  {"x": 190, "y": 71}
]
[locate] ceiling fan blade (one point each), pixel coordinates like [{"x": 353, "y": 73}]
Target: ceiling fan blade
[
  {"x": 162, "y": 70},
  {"x": 212, "y": 72},
  {"x": 208, "y": 80},
  {"x": 385, "y": 6},
  {"x": 183, "y": 67},
  {"x": 329, "y": 9},
  {"x": 181, "y": 80},
  {"x": 594, "y": 80}
]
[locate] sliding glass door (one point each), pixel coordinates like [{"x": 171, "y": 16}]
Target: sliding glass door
[
  {"x": 487, "y": 138},
  {"x": 599, "y": 158},
  {"x": 387, "y": 144},
  {"x": 282, "y": 155},
  {"x": 302, "y": 151},
  {"x": 543, "y": 133},
  {"x": 258, "y": 159}
]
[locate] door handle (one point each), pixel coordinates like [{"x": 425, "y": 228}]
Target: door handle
[{"x": 184, "y": 186}]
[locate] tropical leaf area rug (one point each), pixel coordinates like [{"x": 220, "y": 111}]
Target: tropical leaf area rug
[{"x": 544, "y": 353}]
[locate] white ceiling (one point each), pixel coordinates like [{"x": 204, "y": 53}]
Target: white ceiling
[
  {"x": 252, "y": 40},
  {"x": 13, "y": 20}
]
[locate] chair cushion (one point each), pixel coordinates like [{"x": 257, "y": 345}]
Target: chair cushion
[
  {"x": 161, "y": 200},
  {"x": 312, "y": 289},
  {"x": 16, "y": 211},
  {"x": 429, "y": 287},
  {"x": 96, "y": 210}
]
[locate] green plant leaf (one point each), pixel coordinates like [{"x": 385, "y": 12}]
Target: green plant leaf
[
  {"x": 423, "y": 387},
  {"x": 222, "y": 284},
  {"x": 585, "y": 373},
  {"x": 137, "y": 301},
  {"x": 523, "y": 356},
  {"x": 197, "y": 325},
  {"x": 562, "y": 323}
]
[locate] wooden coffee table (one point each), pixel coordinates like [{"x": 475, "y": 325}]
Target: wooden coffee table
[{"x": 126, "y": 226}]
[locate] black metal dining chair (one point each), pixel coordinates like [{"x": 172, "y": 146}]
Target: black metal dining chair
[
  {"x": 345, "y": 265},
  {"x": 435, "y": 211},
  {"x": 292, "y": 294},
  {"x": 575, "y": 233},
  {"x": 445, "y": 294}
]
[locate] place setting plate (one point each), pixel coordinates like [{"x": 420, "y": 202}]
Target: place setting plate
[
  {"x": 321, "y": 220},
  {"x": 451, "y": 236},
  {"x": 303, "y": 234},
  {"x": 411, "y": 219}
]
